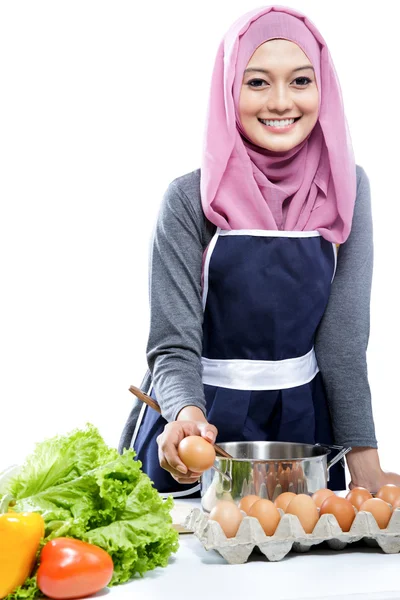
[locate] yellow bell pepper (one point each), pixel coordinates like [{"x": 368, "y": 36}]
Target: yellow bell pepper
[{"x": 20, "y": 535}]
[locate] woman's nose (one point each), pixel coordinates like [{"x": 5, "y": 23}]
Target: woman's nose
[{"x": 279, "y": 99}]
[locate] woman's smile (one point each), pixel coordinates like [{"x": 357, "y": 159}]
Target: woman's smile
[
  {"x": 279, "y": 125},
  {"x": 279, "y": 96}
]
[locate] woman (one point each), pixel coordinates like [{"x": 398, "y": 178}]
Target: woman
[{"x": 259, "y": 324}]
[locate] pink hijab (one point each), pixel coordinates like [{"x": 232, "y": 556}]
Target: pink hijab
[{"x": 244, "y": 186}]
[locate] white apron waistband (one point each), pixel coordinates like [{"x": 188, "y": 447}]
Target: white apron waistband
[{"x": 260, "y": 374}]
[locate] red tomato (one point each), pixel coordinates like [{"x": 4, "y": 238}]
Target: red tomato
[{"x": 73, "y": 569}]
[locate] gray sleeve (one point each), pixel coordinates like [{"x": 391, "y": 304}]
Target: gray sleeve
[
  {"x": 176, "y": 315},
  {"x": 342, "y": 337}
]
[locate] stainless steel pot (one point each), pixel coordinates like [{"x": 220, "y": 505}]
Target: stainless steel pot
[{"x": 267, "y": 469}]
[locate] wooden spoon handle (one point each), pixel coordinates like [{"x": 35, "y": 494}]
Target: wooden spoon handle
[
  {"x": 153, "y": 404},
  {"x": 145, "y": 398}
]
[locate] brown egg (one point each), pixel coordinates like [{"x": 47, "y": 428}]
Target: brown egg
[
  {"x": 396, "y": 503},
  {"x": 196, "y": 453},
  {"x": 341, "y": 508},
  {"x": 303, "y": 506},
  {"x": 247, "y": 502},
  {"x": 267, "y": 515},
  {"x": 389, "y": 493},
  {"x": 320, "y": 495},
  {"x": 283, "y": 500},
  {"x": 379, "y": 509},
  {"x": 228, "y": 515},
  {"x": 357, "y": 496}
]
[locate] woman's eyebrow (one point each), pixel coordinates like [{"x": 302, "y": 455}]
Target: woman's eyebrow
[{"x": 268, "y": 73}]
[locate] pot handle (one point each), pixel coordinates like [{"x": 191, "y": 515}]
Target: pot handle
[
  {"x": 226, "y": 477},
  {"x": 338, "y": 456}
]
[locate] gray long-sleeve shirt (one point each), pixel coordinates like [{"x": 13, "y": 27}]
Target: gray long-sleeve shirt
[{"x": 175, "y": 342}]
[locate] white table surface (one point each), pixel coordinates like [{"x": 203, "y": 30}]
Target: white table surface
[{"x": 360, "y": 573}]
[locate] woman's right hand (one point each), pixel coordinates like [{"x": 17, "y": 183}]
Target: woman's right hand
[{"x": 190, "y": 421}]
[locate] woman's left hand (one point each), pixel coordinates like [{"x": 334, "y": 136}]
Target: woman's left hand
[
  {"x": 374, "y": 483},
  {"x": 365, "y": 470}
]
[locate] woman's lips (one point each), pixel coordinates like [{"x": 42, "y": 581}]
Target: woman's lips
[{"x": 280, "y": 129}]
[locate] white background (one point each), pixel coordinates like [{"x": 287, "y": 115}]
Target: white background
[{"x": 102, "y": 104}]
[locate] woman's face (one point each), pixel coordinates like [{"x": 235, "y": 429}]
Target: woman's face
[{"x": 274, "y": 87}]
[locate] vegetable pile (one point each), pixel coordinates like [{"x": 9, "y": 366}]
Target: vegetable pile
[{"x": 85, "y": 490}]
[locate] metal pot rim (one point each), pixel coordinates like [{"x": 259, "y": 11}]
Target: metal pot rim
[{"x": 317, "y": 449}]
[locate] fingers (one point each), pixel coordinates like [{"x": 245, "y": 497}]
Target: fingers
[
  {"x": 186, "y": 481},
  {"x": 187, "y": 478},
  {"x": 168, "y": 455},
  {"x": 208, "y": 431}
]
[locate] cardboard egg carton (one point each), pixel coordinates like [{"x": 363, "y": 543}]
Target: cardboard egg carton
[{"x": 290, "y": 535}]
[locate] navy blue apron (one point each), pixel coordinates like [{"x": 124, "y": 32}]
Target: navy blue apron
[{"x": 264, "y": 295}]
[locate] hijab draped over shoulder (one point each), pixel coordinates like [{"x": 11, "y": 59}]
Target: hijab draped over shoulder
[{"x": 244, "y": 186}]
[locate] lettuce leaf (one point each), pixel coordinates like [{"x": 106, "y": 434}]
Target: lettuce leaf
[
  {"x": 28, "y": 591},
  {"x": 86, "y": 490},
  {"x": 61, "y": 459}
]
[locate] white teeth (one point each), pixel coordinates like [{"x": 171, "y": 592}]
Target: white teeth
[{"x": 283, "y": 123}]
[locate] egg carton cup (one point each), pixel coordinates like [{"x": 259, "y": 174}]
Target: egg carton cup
[{"x": 290, "y": 535}]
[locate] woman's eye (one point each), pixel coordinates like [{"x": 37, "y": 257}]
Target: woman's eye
[
  {"x": 256, "y": 83},
  {"x": 306, "y": 79}
]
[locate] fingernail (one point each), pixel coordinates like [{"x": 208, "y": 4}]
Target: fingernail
[
  {"x": 210, "y": 436},
  {"x": 181, "y": 469}
]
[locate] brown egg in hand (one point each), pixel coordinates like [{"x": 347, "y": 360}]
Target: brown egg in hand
[
  {"x": 228, "y": 515},
  {"x": 247, "y": 502},
  {"x": 357, "y": 496},
  {"x": 303, "y": 506},
  {"x": 196, "y": 453},
  {"x": 379, "y": 509},
  {"x": 267, "y": 515},
  {"x": 341, "y": 508}
]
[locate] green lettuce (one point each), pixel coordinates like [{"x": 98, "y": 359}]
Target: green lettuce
[{"x": 86, "y": 490}]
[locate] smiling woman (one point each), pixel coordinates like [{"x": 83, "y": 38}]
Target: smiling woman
[
  {"x": 281, "y": 99},
  {"x": 259, "y": 327}
]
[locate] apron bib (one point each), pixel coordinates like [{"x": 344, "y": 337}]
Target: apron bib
[{"x": 264, "y": 294}]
